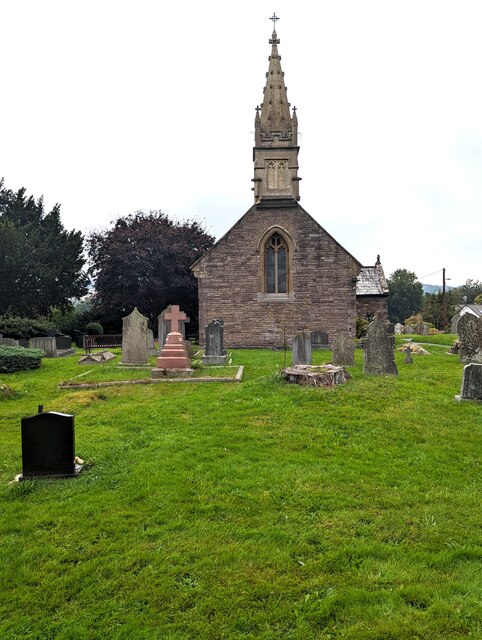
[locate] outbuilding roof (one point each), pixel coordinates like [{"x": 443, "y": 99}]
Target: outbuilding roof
[{"x": 371, "y": 281}]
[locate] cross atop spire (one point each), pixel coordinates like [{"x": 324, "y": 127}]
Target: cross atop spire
[{"x": 274, "y": 38}]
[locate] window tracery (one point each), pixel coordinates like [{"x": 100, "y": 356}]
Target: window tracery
[{"x": 276, "y": 265}]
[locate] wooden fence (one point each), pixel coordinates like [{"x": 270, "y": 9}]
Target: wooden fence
[{"x": 102, "y": 341}]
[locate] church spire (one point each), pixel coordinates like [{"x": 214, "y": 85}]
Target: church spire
[
  {"x": 275, "y": 110},
  {"x": 276, "y": 148}
]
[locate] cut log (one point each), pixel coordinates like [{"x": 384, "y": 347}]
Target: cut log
[{"x": 323, "y": 376}]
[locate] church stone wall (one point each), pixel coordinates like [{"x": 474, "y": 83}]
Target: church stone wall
[{"x": 323, "y": 278}]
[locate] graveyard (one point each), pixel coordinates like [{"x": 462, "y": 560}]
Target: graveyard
[{"x": 256, "y": 509}]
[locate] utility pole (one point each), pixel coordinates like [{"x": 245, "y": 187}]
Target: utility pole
[{"x": 444, "y": 302}]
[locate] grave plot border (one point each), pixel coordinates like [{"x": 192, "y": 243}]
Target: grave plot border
[{"x": 238, "y": 377}]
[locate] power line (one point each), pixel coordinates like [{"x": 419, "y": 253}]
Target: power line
[{"x": 431, "y": 274}]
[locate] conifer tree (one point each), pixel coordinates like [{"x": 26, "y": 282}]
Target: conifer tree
[{"x": 40, "y": 261}]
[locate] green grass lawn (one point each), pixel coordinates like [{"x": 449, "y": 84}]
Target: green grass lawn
[{"x": 254, "y": 510}]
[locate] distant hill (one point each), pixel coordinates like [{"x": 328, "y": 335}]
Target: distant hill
[{"x": 435, "y": 288}]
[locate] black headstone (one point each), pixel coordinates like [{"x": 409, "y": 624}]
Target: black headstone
[
  {"x": 319, "y": 340},
  {"x": 48, "y": 446},
  {"x": 52, "y": 332},
  {"x": 63, "y": 342},
  {"x": 79, "y": 338}
]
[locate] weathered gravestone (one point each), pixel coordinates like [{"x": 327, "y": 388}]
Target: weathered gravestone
[
  {"x": 343, "y": 350},
  {"x": 134, "y": 338},
  {"x": 8, "y": 342},
  {"x": 48, "y": 446},
  {"x": 319, "y": 340},
  {"x": 408, "y": 355},
  {"x": 398, "y": 328},
  {"x": 48, "y": 345},
  {"x": 421, "y": 329},
  {"x": 151, "y": 347},
  {"x": 214, "y": 351},
  {"x": 470, "y": 337},
  {"x": 164, "y": 326},
  {"x": 96, "y": 358},
  {"x": 471, "y": 388},
  {"x": 378, "y": 353},
  {"x": 301, "y": 349}
]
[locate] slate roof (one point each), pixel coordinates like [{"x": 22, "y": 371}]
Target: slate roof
[
  {"x": 371, "y": 281},
  {"x": 476, "y": 310}
]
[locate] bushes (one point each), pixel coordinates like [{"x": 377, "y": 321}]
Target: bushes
[
  {"x": 16, "y": 327},
  {"x": 362, "y": 326},
  {"x": 17, "y": 359},
  {"x": 72, "y": 319},
  {"x": 94, "y": 329}
]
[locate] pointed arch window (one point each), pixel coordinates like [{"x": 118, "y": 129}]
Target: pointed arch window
[{"x": 276, "y": 265}]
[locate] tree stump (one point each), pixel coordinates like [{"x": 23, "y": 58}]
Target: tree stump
[{"x": 327, "y": 375}]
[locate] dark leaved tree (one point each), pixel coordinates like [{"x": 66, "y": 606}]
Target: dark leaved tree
[
  {"x": 434, "y": 311},
  {"x": 144, "y": 261},
  {"x": 40, "y": 262},
  {"x": 406, "y": 295}
]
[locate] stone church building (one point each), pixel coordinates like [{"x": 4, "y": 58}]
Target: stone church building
[{"x": 277, "y": 271}]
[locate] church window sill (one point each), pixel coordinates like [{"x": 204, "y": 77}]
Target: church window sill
[{"x": 276, "y": 297}]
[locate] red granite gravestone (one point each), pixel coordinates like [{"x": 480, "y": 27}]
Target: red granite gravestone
[{"x": 174, "y": 359}]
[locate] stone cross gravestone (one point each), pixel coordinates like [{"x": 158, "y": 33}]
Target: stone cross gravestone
[
  {"x": 134, "y": 338},
  {"x": 48, "y": 446},
  {"x": 408, "y": 355},
  {"x": 343, "y": 350},
  {"x": 174, "y": 359},
  {"x": 319, "y": 340},
  {"x": 470, "y": 337},
  {"x": 471, "y": 388},
  {"x": 164, "y": 326},
  {"x": 175, "y": 316},
  {"x": 214, "y": 351},
  {"x": 378, "y": 353},
  {"x": 301, "y": 349}
]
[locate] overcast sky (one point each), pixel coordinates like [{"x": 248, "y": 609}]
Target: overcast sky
[{"x": 111, "y": 106}]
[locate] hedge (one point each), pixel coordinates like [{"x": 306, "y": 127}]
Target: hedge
[
  {"x": 16, "y": 327},
  {"x": 17, "y": 359}
]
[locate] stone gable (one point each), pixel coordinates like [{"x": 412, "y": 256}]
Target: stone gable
[{"x": 322, "y": 277}]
